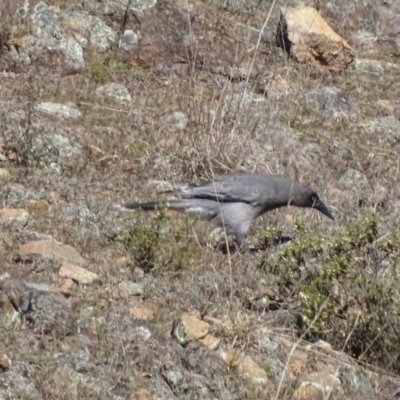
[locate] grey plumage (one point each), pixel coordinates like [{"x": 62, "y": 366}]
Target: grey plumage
[{"x": 233, "y": 202}]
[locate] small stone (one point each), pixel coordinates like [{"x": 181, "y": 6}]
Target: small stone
[
  {"x": 5, "y": 362},
  {"x": 141, "y": 313},
  {"x": 306, "y": 392},
  {"x": 14, "y": 215},
  {"x": 173, "y": 375},
  {"x": 178, "y": 119},
  {"x": 142, "y": 394},
  {"x": 189, "y": 328},
  {"x": 49, "y": 249},
  {"x": 78, "y": 274},
  {"x": 323, "y": 382},
  {"x": 249, "y": 368},
  {"x": 211, "y": 342},
  {"x": 114, "y": 92},
  {"x": 37, "y": 206},
  {"x": 128, "y": 40},
  {"x": 160, "y": 186},
  {"x": 122, "y": 262},
  {"x": 386, "y": 107},
  {"x": 320, "y": 346},
  {"x": 232, "y": 357},
  {"x": 66, "y": 287},
  {"x": 353, "y": 178},
  {"x": 4, "y": 173},
  {"x": 119, "y": 294},
  {"x": 132, "y": 288},
  {"x": 59, "y": 110}
]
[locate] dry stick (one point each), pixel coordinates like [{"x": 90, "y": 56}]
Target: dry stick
[
  {"x": 213, "y": 176},
  {"x": 376, "y": 338},
  {"x": 297, "y": 344},
  {"x": 344, "y": 346},
  {"x": 255, "y": 51}
]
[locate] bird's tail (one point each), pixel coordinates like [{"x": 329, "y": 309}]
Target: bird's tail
[{"x": 176, "y": 205}]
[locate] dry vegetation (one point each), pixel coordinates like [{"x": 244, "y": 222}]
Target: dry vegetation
[{"x": 336, "y": 281}]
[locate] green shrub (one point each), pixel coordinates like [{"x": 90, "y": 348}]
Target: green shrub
[
  {"x": 347, "y": 287},
  {"x": 162, "y": 244}
]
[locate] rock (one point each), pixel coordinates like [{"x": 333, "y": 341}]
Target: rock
[
  {"x": 45, "y": 22},
  {"x": 124, "y": 7},
  {"x": 232, "y": 357},
  {"x": 332, "y": 104},
  {"x": 59, "y": 110},
  {"x": 353, "y": 178},
  {"x": 142, "y": 394},
  {"x": 15, "y": 193},
  {"x": 178, "y": 119},
  {"x": 79, "y": 212},
  {"x": 174, "y": 377},
  {"x": 89, "y": 30},
  {"x": 114, "y": 92},
  {"x": 79, "y": 274},
  {"x": 5, "y": 362},
  {"x": 4, "y": 174},
  {"x": 123, "y": 262},
  {"x": 211, "y": 342},
  {"x": 18, "y": 215},
  {"x": 321, "y": 346},
  {"x": 384, "y": 130},
  {"x": 18, "y": 382},
  {"x": 128, "y": 41},
  {"x": 385, "y": 107},
  {"x": 132, "y": 288},
  {"x": 37, "y": 206},
  {"x": 276, "y": 87},
  {"x": 317, "y": 384},
  {"x": 201, "y": 360},
  {"x": 188, "y": 328},
  {"x": 306, "y": 37},
  {"x": 50, "y": 48},
  {"x": 66, "y": 287},
  {"x": 73, "y": 56},
  {"x": 160, "y": 185},
  {"x": 141, "y": 313},
  {"x": 376, "y": 66},
  {"x": 306, "y": 392},
  {"x": 46, "y": 311},
  {"x": 49, "y": 249},
  {"x": 50, "y": 147},
  {"x": 249, "y": 369}
]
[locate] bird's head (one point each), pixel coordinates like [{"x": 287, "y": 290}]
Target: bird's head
[{"x": 304, "y": 196}]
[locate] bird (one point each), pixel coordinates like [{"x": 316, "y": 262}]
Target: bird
[{"x": 233, "y": 202}]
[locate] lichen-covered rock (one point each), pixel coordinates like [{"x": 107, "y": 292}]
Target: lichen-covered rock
[
  {"x": 114, "y": 92},
  {"x": 59, "y": 110}
]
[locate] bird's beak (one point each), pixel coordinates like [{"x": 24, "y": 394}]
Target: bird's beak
[{"x": 320, "y": 206}]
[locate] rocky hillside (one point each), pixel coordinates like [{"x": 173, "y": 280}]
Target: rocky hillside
[{"x": 108, "y": 101}]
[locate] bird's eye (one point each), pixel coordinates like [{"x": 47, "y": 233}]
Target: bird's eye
[{"x": 313, "y": 198}]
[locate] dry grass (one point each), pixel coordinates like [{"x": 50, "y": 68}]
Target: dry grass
[{"x": 230, "y": 129}]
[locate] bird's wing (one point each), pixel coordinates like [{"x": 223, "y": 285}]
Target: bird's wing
[{"x": 247, "y": 188}]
